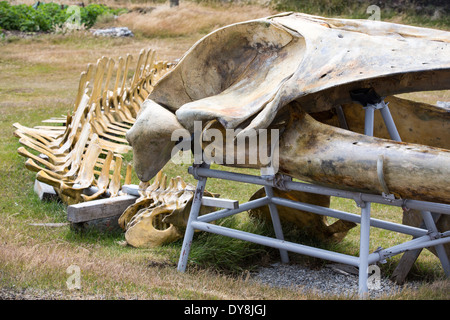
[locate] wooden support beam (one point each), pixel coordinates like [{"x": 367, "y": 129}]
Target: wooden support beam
[
  {"x": 44, "y": 191},
  {"x": 220, "y": 203},
  {"x": 404, "y": 266},
  {"x": 132, "y": 189},
  {"x": 98, "y": 209},
  {"x": 408, "y": 259}
]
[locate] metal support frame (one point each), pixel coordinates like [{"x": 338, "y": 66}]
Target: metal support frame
[
  {"x": 392, "y": 130},
  {"x": 423, "y": 238}
]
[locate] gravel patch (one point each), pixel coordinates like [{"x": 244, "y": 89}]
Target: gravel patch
[
  {"x": 12, "y": 293},
  {"x": 334, "y": 279}
]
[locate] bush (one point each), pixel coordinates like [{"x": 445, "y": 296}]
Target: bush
[{"x": 48, "y": 16}]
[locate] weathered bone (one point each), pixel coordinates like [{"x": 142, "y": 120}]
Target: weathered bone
[
  {"x": 340, "y": 158},
  {"x": 245, "y": 75},
  {"x": 101, "y": 113},
  {"x": 115, "y": 181},
  {"x": 85, "y": 176},
  {"x": 317, "y": 65},
  {"x": 160, "y": 215},
  {"x": 229, "y": 74},
  {"x": 103, "y": 179},
  {"x": 148, "y": 161}
]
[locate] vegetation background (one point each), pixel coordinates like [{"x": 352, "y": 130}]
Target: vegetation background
[{"x": 39, "y": 73}]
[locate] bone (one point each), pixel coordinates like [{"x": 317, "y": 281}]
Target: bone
[
  {"x": 142, "y": 233},
  {"x": 116, "y": 90},
  {"x": 149, "y": 159},
  {"x": 319, "y": 153},
  {"x": 44, "y": 177},
  {"x": 317, "y": 66},
  {"x": 128, "y": 174},
  {"x": 86, "y": 173},
  {"x": 160, "y": 215},
  {"x": 341, "y": 55},
  {"x": 103, "y": 179},
  {"x": 416, "y": 122},
  {"x": 77, "y": 152},
  {"x": 114, "y": 186},
  {"x": 25, "y": 153},
  {"x": 101, "y": 116},
  {"x": 65, "y": 143},
  {"x": 106, "y": 88},
  {"x": 33, "y": 166}
]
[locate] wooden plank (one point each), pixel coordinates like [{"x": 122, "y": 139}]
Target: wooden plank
[
  {"x": 404, "y": 266},
  {"x": 132, "y": 189},
  {"x": 108, "y": 224},
  {"x": 220, "y": 203},
  {"x": 98, "y": 209},
  {"x": 44, "y": 191},
  {"x": 408, "y": 259}
]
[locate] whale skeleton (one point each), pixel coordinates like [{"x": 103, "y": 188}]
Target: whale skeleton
[
  {"x": 320, "y": 82},
  {"x": 80, "y": 155}
]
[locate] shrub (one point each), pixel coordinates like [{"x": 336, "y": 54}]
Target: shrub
[{"x": 48, "y": 16}]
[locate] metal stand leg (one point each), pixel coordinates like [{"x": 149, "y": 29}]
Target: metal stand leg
[
  {"x": 440, "y": 250},
  {"x": 364, "y": 251},
  {"x": 276, "y": 223},
  {"x": 368, "y": 120},
  {"x": 389, "y": 122},
  {"x": 193, "y": 215},
  {"x": 422, "y": 238},
  {"x": 365, "y": 220}
]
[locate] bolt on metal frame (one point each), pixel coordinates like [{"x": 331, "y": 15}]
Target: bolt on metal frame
[{"x": 422, "y": 237}]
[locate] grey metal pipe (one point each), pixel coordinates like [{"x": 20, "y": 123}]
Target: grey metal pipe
[
  {"x": 193, "y": 215},
  {"x": 430, "y": 243},
  {"x": 276, "y": 223},
  {"x": 311, "y": 188},
  {"x": 276, "y": 243},
  {"x": 417, "y": 243},
  {"x": 364, "y": 246},
  {"x": 364, "y": 236},
  {"x": 364, "y": 200},
  {"x": 229, "y": 212},
  {"x": 440, "y": 250},
  {"x": 416, "y": 232},
  {"x": 367, "y": 197},
  {"x": 368, "y": 119},
  {"x": 389, "y": 122}
]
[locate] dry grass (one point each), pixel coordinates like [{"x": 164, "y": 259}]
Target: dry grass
[
  {"x": 44, "y": 265},
  {"x": 39, "y": 79},
  {"x": 430, "y": 97},
  {"x": 188, "y": 19}
]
